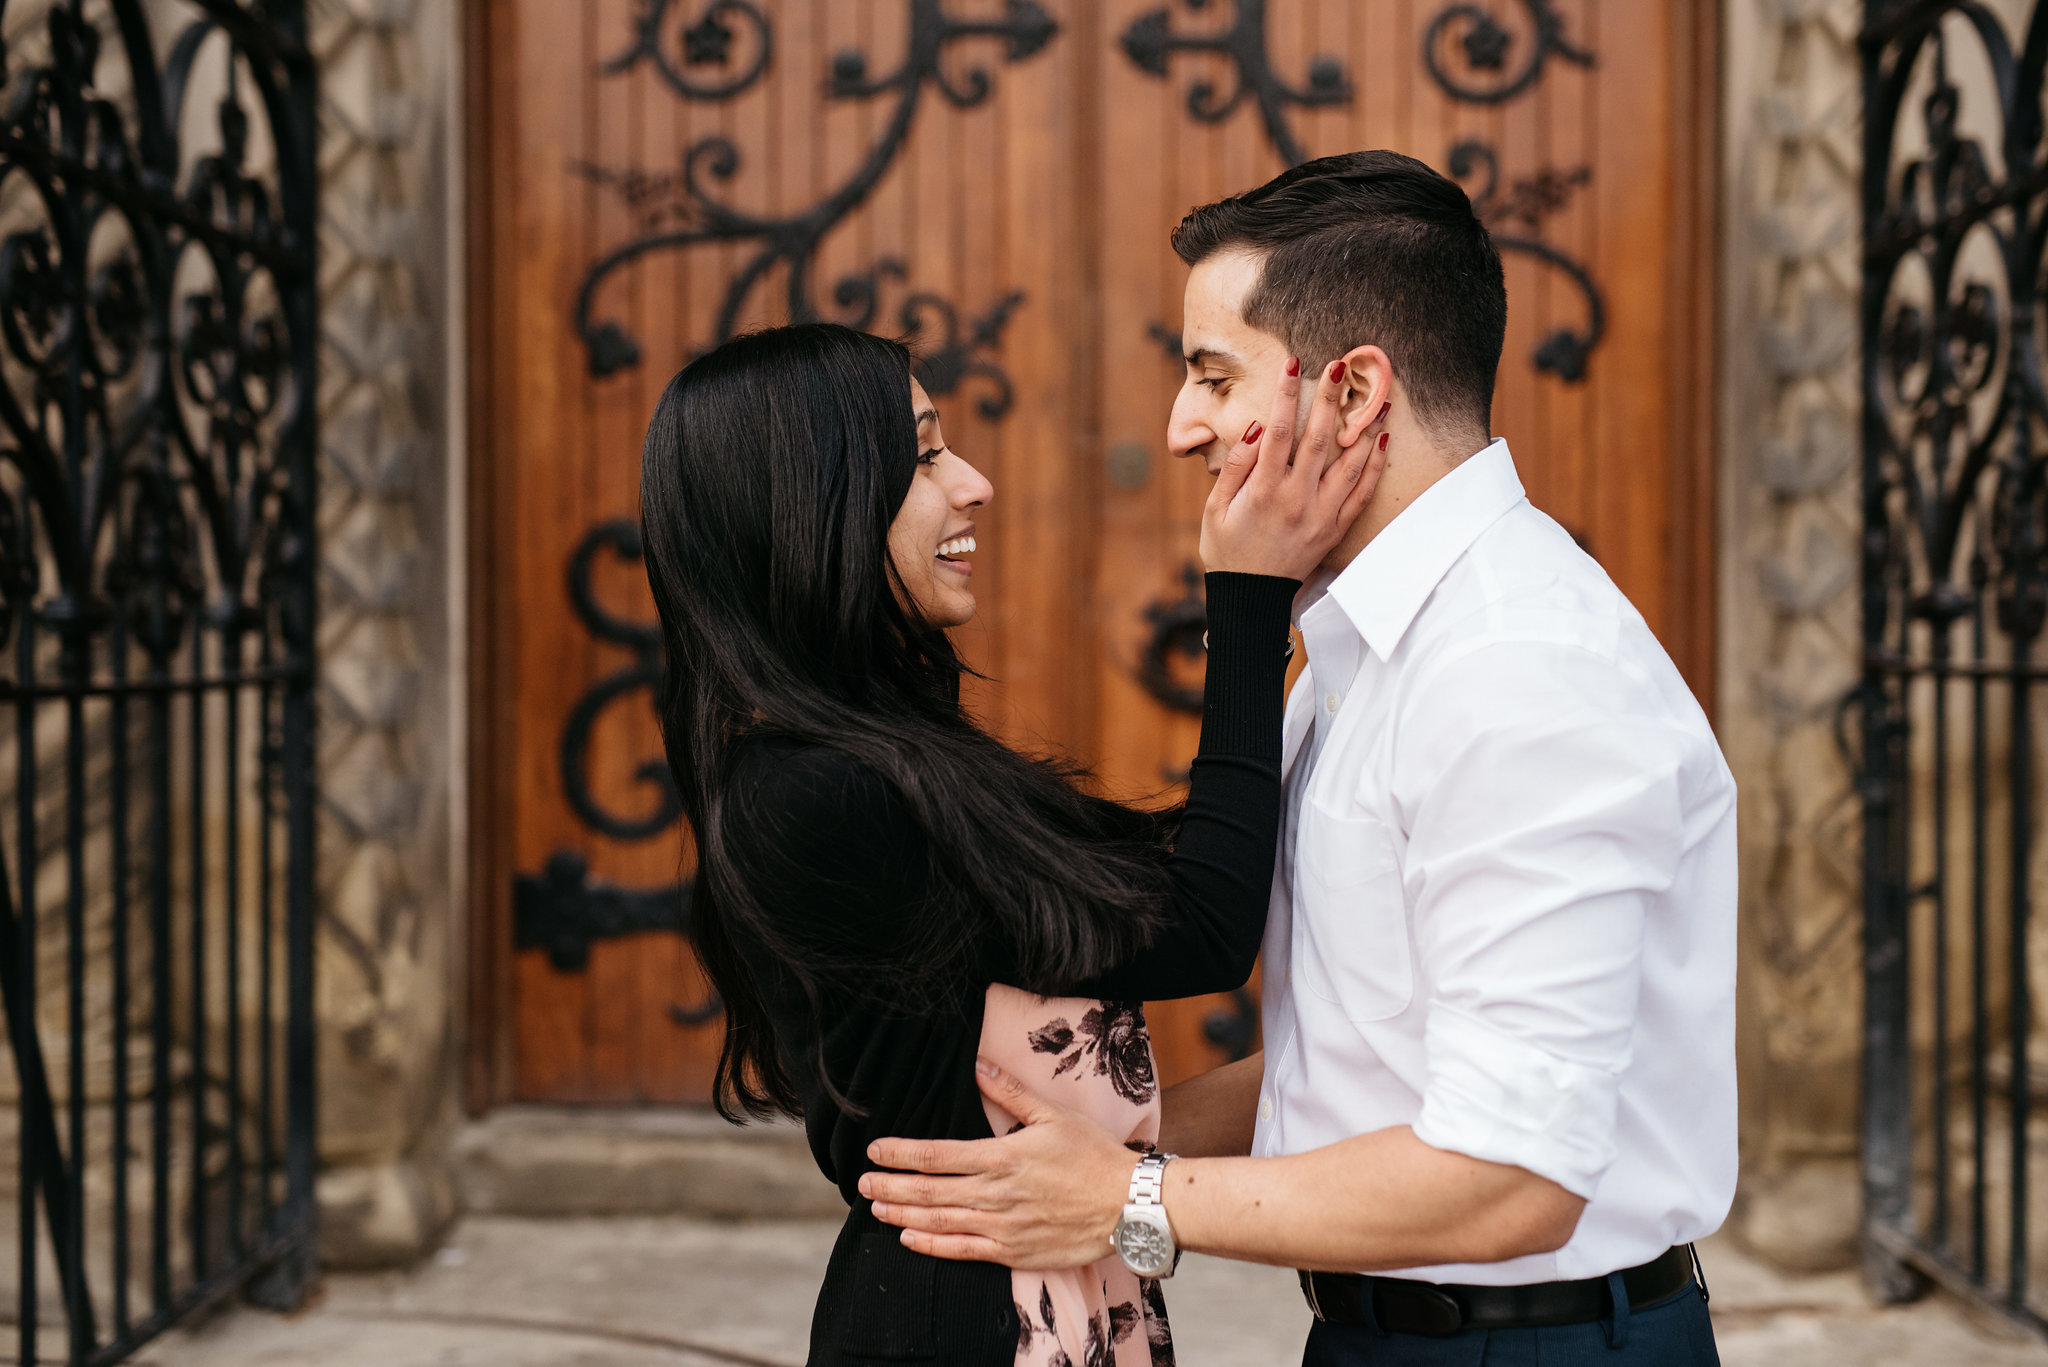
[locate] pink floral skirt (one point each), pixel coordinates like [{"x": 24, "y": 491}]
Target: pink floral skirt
[{"x": 1096, "y": 1058}]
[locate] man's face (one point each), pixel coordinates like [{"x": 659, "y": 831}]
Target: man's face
[{"x": 1233, "y": 368}]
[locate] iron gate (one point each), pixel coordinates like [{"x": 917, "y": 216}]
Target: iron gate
[
  {"x": 1955, "y": 591},
  {"x": 157, "y": 396}
]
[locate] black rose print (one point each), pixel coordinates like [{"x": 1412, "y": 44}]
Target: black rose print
[
  {"x": 1097, "y": 1351},
  {"x": 1157, "y": 1334},
  {"x": 1052, "y": 1037},
  {"x": 1048, "y": 1325},
  {"x": 1113, "y": 1036},
  {"x": 1122, "y": 1320}
]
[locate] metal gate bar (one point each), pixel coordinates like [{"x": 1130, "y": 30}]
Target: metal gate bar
[
  {"x": 157, "y": 423},
  {"x": 1955, "y": 593}
]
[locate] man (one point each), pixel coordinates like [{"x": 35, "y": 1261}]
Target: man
[{"x": 1499, "y": 964}]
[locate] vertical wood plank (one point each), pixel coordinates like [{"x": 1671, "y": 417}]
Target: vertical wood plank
[
  {"x": 551, "y": 1057},
  {"x": 612, "y": 1005},
  {"x": 1631, "y": 495}
]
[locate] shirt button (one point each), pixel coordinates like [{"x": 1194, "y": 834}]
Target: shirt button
[
  {"x": 1265, "y": 1109},
  {"x": 1333, "y": 702}
]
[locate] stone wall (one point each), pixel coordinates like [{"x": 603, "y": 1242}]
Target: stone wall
[
  {"x": 1790, "y": 634},
  {"x": 388, "y": 947}
]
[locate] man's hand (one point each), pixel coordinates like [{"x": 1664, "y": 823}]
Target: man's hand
[
  {"x": 1269, "y": 514},
  {"x": 1049, "y": 1195},
  {"x": 1045, "y": 1196}
]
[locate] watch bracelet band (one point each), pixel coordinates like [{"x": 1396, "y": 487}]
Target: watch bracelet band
[{"x": 1148, "y": 1180}]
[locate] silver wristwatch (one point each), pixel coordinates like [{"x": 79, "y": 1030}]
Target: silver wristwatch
[{"x": 1143, "y": 1238}]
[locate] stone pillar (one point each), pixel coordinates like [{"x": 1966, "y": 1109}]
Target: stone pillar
[
  {"x": 387, "y": 1003},
  {"x": 1790, "y": 633}
]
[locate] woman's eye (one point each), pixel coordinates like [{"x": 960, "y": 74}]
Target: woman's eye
[{"x": 927, "y": 457}]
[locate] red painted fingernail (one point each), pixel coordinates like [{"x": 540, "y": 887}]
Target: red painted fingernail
[
  {"x": 1336, "y": 371},
  {"x": 1254, "y": 432},
  {"x": 1383, "y": 440},
  {"x": 1293, "y": 366}
]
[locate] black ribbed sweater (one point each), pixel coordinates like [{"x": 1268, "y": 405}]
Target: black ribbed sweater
[{"x": 849, "y": 865}]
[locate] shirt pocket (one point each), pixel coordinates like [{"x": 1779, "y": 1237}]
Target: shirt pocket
[{"x": 1353, "y": 939}]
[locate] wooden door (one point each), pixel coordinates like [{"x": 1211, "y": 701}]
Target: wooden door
[{"x": 997, "y": 179}]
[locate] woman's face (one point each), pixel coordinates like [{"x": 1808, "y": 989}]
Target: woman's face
[{"x": 932, "y": 538}]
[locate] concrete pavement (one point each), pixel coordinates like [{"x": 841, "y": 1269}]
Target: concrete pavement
[{"x": 679, "y": 1292}]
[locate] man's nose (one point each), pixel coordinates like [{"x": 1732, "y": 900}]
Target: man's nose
[{"x": 1185, "y": 436}]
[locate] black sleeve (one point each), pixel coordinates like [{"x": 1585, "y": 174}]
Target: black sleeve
[{"x": 1222, "y": 861}]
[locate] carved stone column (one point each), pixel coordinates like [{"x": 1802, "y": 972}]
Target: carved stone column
[
  {"x": 386, "y": 1007},
  {"x": 1790, "y": 640}
]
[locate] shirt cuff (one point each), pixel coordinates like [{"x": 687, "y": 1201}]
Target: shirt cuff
[
  {"x": 1497, "y": 1097},
  {"x": 1244, "y": 693}
]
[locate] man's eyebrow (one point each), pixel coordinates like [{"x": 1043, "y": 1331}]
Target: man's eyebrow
[{"x": 1203, "y": 355}]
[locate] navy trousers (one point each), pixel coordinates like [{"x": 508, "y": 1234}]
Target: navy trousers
[{"x": 1674, "y": 1332}]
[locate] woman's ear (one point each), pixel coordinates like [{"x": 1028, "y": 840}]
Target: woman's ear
[{"x": 1370, "y": 390}]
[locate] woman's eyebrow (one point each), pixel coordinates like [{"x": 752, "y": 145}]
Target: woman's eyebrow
[{"x": 925, "y": 415}]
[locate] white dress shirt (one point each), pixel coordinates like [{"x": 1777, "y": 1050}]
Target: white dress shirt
[{"x": 1504, "y": 911}]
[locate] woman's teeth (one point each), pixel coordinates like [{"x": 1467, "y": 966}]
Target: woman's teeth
[{"x": 959, "y": 545}]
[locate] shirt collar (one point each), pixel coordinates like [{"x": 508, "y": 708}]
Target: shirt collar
[{"x": 1386, "y": 584}]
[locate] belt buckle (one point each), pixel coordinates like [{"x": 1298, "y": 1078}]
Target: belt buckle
[{"x": 1442, "y": 1313}]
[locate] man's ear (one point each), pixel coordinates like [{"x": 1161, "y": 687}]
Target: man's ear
[{"x": 1369, "y": 388}]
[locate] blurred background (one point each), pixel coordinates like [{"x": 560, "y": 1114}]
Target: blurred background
[{"x": 346, "y": 897}]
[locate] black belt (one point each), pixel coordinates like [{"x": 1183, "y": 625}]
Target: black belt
[{"x": 1411, "y": 1307}]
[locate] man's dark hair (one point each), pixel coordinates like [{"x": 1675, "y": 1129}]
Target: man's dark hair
[{"x": 1371, "y": 248}]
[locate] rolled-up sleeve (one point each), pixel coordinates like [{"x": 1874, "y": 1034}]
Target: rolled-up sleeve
[{"x": 1549, "y": 823}]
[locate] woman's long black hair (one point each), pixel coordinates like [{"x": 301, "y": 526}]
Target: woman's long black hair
[{"x": 773, "y": 468}]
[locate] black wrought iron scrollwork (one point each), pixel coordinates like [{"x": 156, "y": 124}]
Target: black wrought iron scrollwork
[
  {"x": 1952, "y": 385},
  {"x": 621, "y": 537},
  {"x": 1529, "y": 201},
  {"x": 1151, "y": 42},
  {"x": 952, "y": 355},
  {"x": 1486, "y": 45},
  {"x": 707, "y": 42},
  {"x": 1954, "y": 549},
  {"x": 1234, "y": 1029},
  {"x": 159, "y": 347},
  {"x": 104, "y": 254},
  {"x": 681, "y": 210},
  {"x": 1178, "y": 629},
  {"x": 562, "y": 910}
]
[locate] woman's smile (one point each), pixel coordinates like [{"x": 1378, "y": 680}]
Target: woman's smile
[{"x": 953, "y": 553}]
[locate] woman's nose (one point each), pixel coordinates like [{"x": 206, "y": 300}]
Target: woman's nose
[{"x": 971, "y": 488}]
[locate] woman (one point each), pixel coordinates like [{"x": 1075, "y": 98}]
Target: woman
[{"x": 884, "y": 890}]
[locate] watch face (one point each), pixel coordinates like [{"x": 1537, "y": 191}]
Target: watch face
[{"x": 1145, "y": 1247}]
